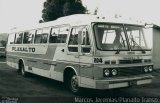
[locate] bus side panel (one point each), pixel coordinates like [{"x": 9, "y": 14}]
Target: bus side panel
[
  {"x": 12, "y": 62},
  {"x": 63, "y": 60},
  {"x": 34, "y": 62},
  {"x": 42, "y": 61}
]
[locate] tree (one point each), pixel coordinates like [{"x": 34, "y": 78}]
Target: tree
[
  {"x": 54, "y": 9},
  {"x": 40, "y": 21}
]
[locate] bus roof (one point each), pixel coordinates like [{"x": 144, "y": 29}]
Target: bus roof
[
  {"x": 80, "y": 19},
  {"x": 88, "y": 18}
]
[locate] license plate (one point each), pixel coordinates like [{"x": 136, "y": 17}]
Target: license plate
[{"x": 132, "y": 83}]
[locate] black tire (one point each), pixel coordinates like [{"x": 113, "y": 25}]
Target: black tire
[
  {"x": 22, "y": 70},
  {"x": 72, "y": 83}
]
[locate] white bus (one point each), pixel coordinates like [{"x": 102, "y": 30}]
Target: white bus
[{"x": 83, "y": 51}]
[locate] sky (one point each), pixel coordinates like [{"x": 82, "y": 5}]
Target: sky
[
  {"x": 137, "y": 9},
  {"x": 16, "y": 13}
]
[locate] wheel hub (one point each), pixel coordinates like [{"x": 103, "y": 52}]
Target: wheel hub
[{"x": 74, "y": 83}]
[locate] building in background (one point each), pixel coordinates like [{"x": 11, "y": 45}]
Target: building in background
[{"x": 3, "y": 41}]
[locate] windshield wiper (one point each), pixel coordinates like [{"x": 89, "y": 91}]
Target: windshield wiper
[
  {"x": 143, "y": 51},
  {"x": 118, "y": 48}
]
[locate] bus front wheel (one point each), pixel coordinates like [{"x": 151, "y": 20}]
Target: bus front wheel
[{"x": 73, "y": 83}]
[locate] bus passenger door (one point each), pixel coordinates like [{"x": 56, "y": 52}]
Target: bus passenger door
[
  {"x": 85, "y": 55},
  {"x": 73, "y": 48},
  {"x": 79, "y": 50}
]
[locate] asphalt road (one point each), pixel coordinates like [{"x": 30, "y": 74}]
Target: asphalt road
[{"x": 38, "y": 88}]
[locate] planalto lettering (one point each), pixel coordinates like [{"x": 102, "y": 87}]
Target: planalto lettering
[{"x": 23, "y": 49}]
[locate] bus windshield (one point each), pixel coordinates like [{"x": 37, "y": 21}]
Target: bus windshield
[
  {"x": 110, "y": 37},
  {"x": 136, "y": 37},
  {"x": 119, "y": 37}
]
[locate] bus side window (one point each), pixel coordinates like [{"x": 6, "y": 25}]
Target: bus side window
[
  {"x": 45, "y": 34},
  {"x": 85, "y": 42},
  {"x": 85, "y": 38},
  {"x": 73, "y": 37},
  {"x": 28, "y": 37},
  {"x": 38, "y": 36},
  {"x": 54, "y": 35},
  {"x": 73, "y": 40},
  {"x": 62, "y": 36},
  {"x": 18, "y": 39},
  {"x": 11, "y": 38}
]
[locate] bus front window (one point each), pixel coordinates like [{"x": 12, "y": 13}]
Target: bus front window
[
  {"x": 110, "y": 37},
  {"x": 136, "y": 37}
]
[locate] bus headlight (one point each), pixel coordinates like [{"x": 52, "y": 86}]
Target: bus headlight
[
  {"x": 150, "y": 68},
  {"x": 106, "y": 72},
  {"x": 114, "y": 72},
  {"x": 146, "y": 69}
]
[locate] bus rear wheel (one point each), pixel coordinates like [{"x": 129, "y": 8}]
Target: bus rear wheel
[
  {"x": 73, "y": 83},
  {"x": 22, "y": 70}
]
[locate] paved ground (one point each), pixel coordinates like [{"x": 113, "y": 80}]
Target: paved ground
[{"x": 38, "y": 88}]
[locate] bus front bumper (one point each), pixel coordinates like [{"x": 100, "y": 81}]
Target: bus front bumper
[{"x": 116, "y": 82}]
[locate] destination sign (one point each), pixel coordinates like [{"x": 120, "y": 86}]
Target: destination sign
[
  {"x": 24, "y": 49},
  {"x": 28, "y": 49}
]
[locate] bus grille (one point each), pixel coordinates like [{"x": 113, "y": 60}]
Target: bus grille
[
  {"x": 130, "y": 61},
  {"x": 129, "y": 71}
]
